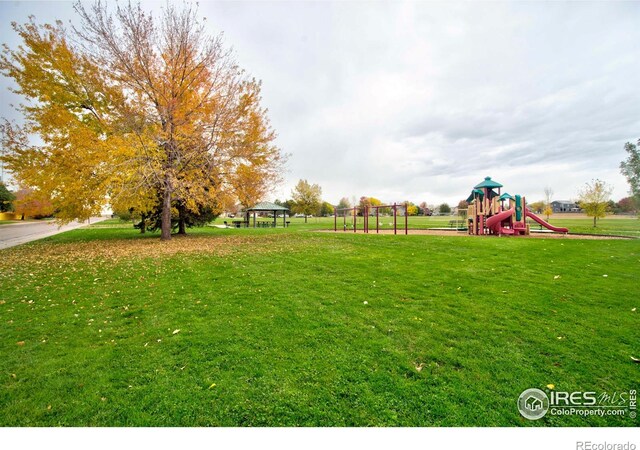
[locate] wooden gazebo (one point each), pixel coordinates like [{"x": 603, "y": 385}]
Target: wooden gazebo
[{"x": 267, "y": 207}]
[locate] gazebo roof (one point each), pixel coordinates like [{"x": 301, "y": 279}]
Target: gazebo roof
[
  {"x": 488, "y": 183},
  {"x": 267, "y": 206}
]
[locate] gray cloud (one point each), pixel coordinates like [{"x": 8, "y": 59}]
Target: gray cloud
[{"x": 421, "y": 100}]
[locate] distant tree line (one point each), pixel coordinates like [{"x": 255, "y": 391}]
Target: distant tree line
[{"x": 306, "y": 199}]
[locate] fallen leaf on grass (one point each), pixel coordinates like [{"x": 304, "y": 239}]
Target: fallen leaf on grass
[
  {"x": 212, "y": 386},
  {"x": 176, "y": 331},
  {"x": 635, "y": 360},
  {"x": 556, "y": 277},
  {"x": 551, "y": 386},
  {"x": 20, "y": 343}
]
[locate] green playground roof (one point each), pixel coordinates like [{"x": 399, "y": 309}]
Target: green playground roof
[
  {"x": 488, "y": 183},
  {"x": 506, "y": 196},
  {"x": 473, "y": 194}
]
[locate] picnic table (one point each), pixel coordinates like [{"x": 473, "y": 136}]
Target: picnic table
[
  {"x": 240, "y": 223},
  {"x": 265, "y": 223}
]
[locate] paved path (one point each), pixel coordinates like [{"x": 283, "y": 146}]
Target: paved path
[{"x": 21, "y": 232}]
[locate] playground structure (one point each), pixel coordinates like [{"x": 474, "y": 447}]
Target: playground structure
[
  {"x": 487, "y": 213},
  {"x": 366, "y": 215}
]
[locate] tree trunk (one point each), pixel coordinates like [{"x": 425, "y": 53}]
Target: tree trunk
[
  {"x": 181, "y": 221},
  {"x": 165, "y": 234},
  {"x": 143, "y": 224},
  {"x": 305, "y": 218},
  {"x": 594, "y": 221}
]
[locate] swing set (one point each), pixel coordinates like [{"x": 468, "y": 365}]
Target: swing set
[{"x": 368, "y": 212}]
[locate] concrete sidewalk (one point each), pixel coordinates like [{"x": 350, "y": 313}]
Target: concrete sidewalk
[{"x": 22, "y": 232}]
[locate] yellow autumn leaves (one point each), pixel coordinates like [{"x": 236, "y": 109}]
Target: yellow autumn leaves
[{"x": 151, "y": 118}]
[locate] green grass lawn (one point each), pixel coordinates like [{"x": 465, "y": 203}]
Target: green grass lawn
[
  {"x": 104, "y": 327},
  {"x": 612, "y": 225}
]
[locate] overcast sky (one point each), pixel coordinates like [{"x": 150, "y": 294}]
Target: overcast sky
[{"x": 420, "y": 101}]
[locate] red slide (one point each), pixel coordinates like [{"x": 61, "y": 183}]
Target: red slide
[
  {"x": 543, "y": 223},
  {"x": 494, "y": 222}
]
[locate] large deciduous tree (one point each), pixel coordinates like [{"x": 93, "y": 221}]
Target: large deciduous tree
[
  {"x": 444, "y": 208},
  {"x": 594, "y": 198},
  {"x": 149, "y": 114},
  {"x": 367, "y": 202},
  {"x": 327, "y": 209},
  {"x": 537, "y": 207},
  {"x": 70, "y": 110},
  {"x": 30, "y": 203},
  {"x": 630, "y": 168},
  {"x": 307, "y": 198},
  {"x": 412, "y": 209},
  {"x": 628, "y": 204},
  {"x": 344, "y": 203}
]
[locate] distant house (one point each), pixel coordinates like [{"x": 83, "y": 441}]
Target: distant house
[{"x": 559, "y": 206}]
